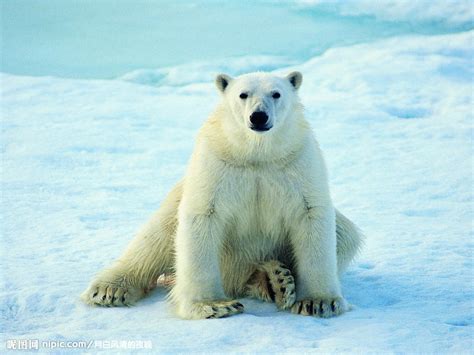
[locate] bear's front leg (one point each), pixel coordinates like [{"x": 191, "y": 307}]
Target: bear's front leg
[
  {"x": 318, "y": 291},
  {"x": 198, "y": 292}
]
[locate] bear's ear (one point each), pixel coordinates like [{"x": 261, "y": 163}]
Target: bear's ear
[
  {"x": 295, "y": 78},
  {"x": 222, "y": 81}
]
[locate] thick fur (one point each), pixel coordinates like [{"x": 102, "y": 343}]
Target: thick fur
[{"x": 247, "y": 198}]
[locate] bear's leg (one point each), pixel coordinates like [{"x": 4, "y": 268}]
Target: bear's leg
[
  {"x": 198, "y": 292},
  {"x": 148, "y": 255},
  {"x": 314, "y": 245},
  {"x": 272, "y": 282},
  {"x": 349, "y": 241}
]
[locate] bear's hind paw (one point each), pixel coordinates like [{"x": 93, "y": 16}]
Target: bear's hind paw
[
  {"x": 273, "y": 282},
  {"x": 283, "y": 286}
]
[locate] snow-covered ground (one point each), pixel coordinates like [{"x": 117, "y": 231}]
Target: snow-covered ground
[{"x": 85, "y": 162}]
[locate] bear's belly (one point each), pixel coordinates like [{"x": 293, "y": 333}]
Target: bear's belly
[{"x": 262, "y": 208}]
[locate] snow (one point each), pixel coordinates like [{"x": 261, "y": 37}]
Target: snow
[{"x": 85, "y": 162}]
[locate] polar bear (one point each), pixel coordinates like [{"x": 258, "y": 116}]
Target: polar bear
[{"x": 252, "y": 217}]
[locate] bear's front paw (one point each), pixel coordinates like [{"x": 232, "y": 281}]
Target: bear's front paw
[
  {"x": 320, "y": 307},
  {"x": 110, "y": 291},
  {"x": 222, "y": 309},
  {"x": 213, "y": 309}
]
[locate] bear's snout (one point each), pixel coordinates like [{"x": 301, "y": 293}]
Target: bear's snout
[{"x": 259, "y": 120}]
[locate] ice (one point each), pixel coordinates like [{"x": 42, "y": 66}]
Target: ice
[
  {"x": 110, "y": 38},
  {"x": 459, "y": 12},
  {"x": 85, "y": 162}
]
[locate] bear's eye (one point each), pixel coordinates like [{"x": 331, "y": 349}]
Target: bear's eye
[
  {"x": 243, "y": 96},
  {"x": 276, "y": 95}
]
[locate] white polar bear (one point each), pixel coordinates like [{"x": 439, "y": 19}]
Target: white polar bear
[{"x": 252, "y": 217}]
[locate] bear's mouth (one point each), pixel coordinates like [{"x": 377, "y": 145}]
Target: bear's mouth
[{"x": 258, "y": 128}]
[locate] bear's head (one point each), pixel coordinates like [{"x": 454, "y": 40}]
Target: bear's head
[{"x": 260, "y": 102}]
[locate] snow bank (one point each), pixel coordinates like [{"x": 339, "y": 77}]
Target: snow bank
[
  {"x": 200, "y": 72},
  {"x": 86, "y": 161}
]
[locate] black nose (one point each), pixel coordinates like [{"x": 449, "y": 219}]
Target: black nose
[{"x": 259, "y": 118}]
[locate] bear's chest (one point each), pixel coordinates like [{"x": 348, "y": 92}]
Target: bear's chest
[{"x": 262, "y": 200}]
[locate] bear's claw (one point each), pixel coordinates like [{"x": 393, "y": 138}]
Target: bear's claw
[
  {"x": 324, "y": 308},
  {"x": 283, "y": 285},
  {"x": 220, "y": 309},
  {"x": 273, "y": 282},
  {"x": 111, "y": 295}
]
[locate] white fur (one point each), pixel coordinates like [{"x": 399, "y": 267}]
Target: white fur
[{"x": 247, "y": 197}]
